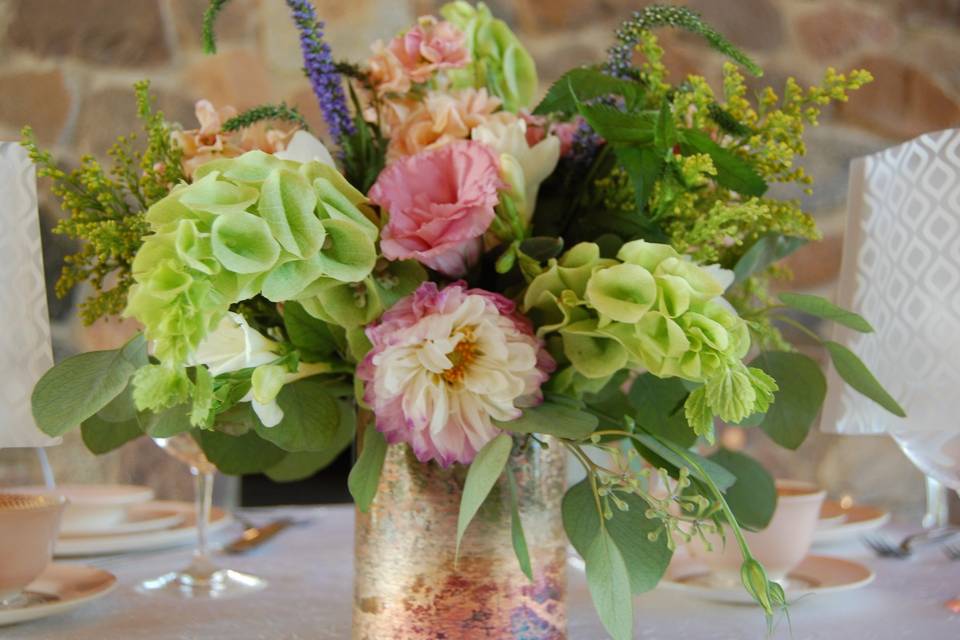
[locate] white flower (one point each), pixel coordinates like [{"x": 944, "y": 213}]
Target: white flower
[
  {"x": 305, "y": 147},
  {"x": 234, "y": 345},
  {"x": 537, "y": 162}
]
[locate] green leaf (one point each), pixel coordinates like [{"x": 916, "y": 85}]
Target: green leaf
[
  {"x": 753, "y": 497},
  {"x": 618, "y": 126},
  {"x": 481, "y": 476},
  {"x": 609, "y": 586},
  {"x": 796, "y": 404},
  {"x": 817, "y": 306},
  {"x": 553, "y": 419},
  {"x": 665, "y": 133},
  {"x": 168, "y": 422},
  {"x": 238, "y": 455},
  {"x": 311, "y": 336},
  {"x": 516, "y": 531},
  {"x": 764, "y": 252},
  {"x": 101, "y": 436},
  {"x": 121, "y": 408},
  {"x": 733, "y": 171},
  {"x": 643, "y": 166},
  {"x": 720, "y": 476},
  {"x": 646, "y": 560},
  {"x": 658, "y": 405},
  {"x": 310, "y": 418},
  {"x": 852, "y": 369},
  {"x": 82, "y": 385},
  {"x": 581, "y": 85},
  {"x": 365, "y": 474},
  {"x": 299, "y": 465}
]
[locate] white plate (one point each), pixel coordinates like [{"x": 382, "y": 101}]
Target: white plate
[
  {"x": 94, "y": 506},
  {"x": 184, "y": 533},
  {"x": 859, "y": 519},
  {"x": 816, "y": 575},
  {"x": 60, "y": 588},
  {"x": 152, "y": 516}
]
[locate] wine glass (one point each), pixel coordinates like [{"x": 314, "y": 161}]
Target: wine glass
[
  {"x": 936, "y": 452},
  {"x": 202, "y": 578}
]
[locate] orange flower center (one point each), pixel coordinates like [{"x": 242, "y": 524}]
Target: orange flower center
[{"x": 462, "y": 355}]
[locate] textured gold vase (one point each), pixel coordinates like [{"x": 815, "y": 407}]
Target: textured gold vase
[{"x": 407, "y": 586}]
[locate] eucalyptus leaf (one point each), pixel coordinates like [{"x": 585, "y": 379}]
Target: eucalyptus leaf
[
  {"x": 310, "y": 421},
  {"x": 553, "y": 419},
  {"x": 722, "y": 478},
  {"x": 797, "y": 402},
  {"x": 82, "y": 385},
  {"x": 658, "y": 405},
  {"x": 299, "y": 465},
  {"x": 121, "y": 408},
  {"x": 365, "y": 475},
  {"x": 516, "y": 531},
  {"x": 482, "y": 475},
  {"x": 609, "y": 585},
  {"x": 646, "y": 559},
  {"x": 238, "y": 455},
  {"x": 856, "y": 374},
  {"x": 764, "y": 252},
  {"x": 822, "y": 308},
  {"x": 169, "y": 422},
  {"x": 753, "y": 497},
  {"x": 101, "y": 436}
]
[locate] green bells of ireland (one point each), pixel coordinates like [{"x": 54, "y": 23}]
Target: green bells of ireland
[
  {"x": 498, "y": 60},
  {"x": 250, "y": 225},
  {"x": 652, "y": 309}
]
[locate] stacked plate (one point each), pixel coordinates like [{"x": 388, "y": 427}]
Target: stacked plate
[{"x": 109, "y": 519}]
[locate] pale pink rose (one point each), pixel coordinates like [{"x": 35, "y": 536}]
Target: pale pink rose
[
  {"x": 445, "y": 364},
  {"x": 428, "y": 47},
  {"x": 439, "y": 204},
  {"x": 441, "y": 118}
]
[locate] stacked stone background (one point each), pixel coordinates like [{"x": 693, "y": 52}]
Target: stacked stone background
[{"x": 66, "y": 68}]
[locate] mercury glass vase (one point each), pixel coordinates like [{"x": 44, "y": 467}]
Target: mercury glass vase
[{"x": 408, "y": 583}]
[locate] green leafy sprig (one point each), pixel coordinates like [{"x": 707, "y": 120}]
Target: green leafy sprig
[
  {"x": 209, "y": 19},
  {"x": 281, "y": 111}
]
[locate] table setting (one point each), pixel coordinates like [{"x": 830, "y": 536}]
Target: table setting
[{"x": 542, "y": 320}]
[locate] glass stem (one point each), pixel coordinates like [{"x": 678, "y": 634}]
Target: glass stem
[
  {"x": 937, "y": 514},
  {"x": 204, "y": 501}
]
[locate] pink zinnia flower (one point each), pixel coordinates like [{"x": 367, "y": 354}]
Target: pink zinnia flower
[
  {"x": 440, "y": 202},
  {"x": 445, "y": 364}
]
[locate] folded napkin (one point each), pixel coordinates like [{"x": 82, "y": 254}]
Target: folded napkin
[{"x": 25, "y": 352}]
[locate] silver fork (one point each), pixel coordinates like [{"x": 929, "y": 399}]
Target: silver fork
[
  {"x": 952, "y": 551},
  {"x": 886, "y": 549}
]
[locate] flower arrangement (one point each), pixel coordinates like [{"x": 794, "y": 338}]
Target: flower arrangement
[{"x": 474, "y": 268}]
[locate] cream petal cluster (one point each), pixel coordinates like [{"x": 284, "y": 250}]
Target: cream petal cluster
[
  {"x": 650, "y": 308},
  {"x": 445, "y": 364}
]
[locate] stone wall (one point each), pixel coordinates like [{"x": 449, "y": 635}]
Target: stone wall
[{"x": 66, "y": 68}]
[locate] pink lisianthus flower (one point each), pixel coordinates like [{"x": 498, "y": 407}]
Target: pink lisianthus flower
[
  {"x": 439, "y": 202},
  {"x": 445, "y": 364},
  {"x": 428, "y": 47}
]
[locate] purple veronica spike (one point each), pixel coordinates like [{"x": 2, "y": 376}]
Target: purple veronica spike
[{"x": 319, "y": 68}]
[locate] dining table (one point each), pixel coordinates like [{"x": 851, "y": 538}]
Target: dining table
[{"x": 309, "y": 568}]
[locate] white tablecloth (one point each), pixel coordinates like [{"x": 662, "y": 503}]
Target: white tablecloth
[{"x": 309, "y": 598}]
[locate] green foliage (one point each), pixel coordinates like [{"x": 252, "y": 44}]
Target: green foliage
[
  {"x": 797, "y": 403},
  {"x": 817, "y": 306},
  {"x": 82, "y": 385},
  {"x": 553, "y": 419},
  {"x": 763, "y": 253},
  {"x": 254, "y": 115},
  {"x": 658, "y": 405},
  {"x": 238, "y": 454},
  {"x": 311, "y": 417},
  {"x": 209, "y": 18},
  {"x": 517, "y": 537},
  {"x": 482, "y": 475},
  {"x": 105, "y": 207},
  {"x": 298, "y": 465},
  {"x": 753, "y": 497},
  {"x": 609, "y": 585},
  {"x": 365, "y": 474},
  {"x": 102, "y": 436},
  {"x": 856, "y": 374},
  {"x": 583, "y": 84}
]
